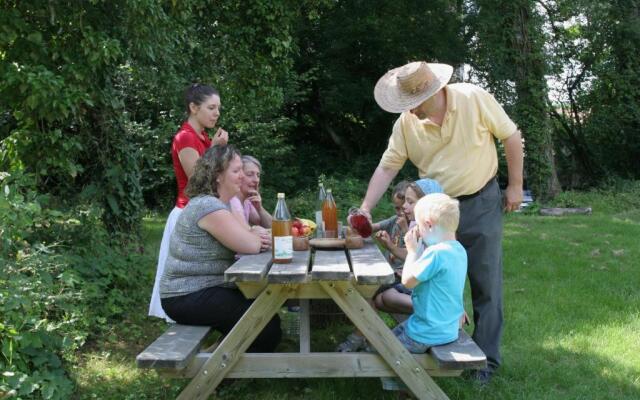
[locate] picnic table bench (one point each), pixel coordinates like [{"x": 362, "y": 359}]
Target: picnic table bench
[{"x": 348, "y": 277}]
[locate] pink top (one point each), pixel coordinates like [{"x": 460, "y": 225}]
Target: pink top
[{"x": 245, "y": 208}]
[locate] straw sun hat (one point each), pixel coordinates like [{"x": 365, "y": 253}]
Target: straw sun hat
[{"x": 406, "y": 87}]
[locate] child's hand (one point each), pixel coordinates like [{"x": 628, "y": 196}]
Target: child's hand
[
  {"x": 403, "y": 224},
  {"x": 411, "y": 239},
  {"x": 384, "y": 238}
]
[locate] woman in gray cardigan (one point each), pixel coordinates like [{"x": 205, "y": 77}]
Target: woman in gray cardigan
[{"x": 203, "y": 245}]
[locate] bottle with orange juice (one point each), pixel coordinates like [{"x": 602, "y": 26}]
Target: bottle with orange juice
[
  {"x": 330, "y": 216},
  {"x": 282, "y": 239}
]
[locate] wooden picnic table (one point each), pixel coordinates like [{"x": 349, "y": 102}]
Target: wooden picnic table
[{"x": 349, "y": 278}]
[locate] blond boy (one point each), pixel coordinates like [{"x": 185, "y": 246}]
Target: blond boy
[{"x": 437, "y": 275}]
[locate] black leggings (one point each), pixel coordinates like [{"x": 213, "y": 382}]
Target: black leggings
[{"x": 220, "y": 308}]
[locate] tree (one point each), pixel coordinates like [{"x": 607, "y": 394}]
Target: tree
[
  {"x": 347, "y": 46},
  {"x": 613, "y": 104},
  {"x": 508, "y": 55},
  {"x": 91, "y": 94}
]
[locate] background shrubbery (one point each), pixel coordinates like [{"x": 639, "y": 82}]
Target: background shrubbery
[
  {"x": 90, "y": 97},
  {"x": 62, "y": 280}
]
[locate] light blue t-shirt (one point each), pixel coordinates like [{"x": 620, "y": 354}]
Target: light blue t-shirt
[{"x": 437, "y": 299}]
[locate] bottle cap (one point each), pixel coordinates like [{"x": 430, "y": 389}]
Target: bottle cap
[
  {"x": 281, "y": 195},
  {"x": 328, "y": 190},
  {"x": 321, "y": 184}
]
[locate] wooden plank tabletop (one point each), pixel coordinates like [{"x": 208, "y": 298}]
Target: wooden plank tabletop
[
  {"x": 249, "y": 268},
  {"x": 369, "y": 265},
  {"x": 294, "y": 272},
  {"x": 330, "y": 265}
]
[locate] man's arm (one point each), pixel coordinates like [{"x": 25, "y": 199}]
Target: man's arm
[
  {"x": 514, "y": 155},
  {"x": 378, "y": 184}
]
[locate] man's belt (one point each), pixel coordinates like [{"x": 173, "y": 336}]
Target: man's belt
[{"x": 472, "y": 195}]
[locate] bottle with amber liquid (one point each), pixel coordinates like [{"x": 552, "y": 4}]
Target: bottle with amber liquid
[
  {"x": 281, "y": 238},
  {"x": 330, "y": 216}
]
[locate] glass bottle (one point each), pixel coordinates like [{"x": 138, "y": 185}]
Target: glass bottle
[
  {"x": 281, "y": 238},
  {"x": 330, "y": 216},
  {"x": 321, "y": 196}
]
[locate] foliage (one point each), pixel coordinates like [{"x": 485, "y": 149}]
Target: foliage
[
  {"x": 594, "y": 59},
  {"x": 90, "y": 97},
  {"x": 618, "y": 197},
  {"x": 345, "y": 48},
  {"x": 614, "y": 102},
  {"x": 62, "y": 280},
  {"x": 508, "y": 55}
]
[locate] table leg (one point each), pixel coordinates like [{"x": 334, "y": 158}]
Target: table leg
[
  {"x": 305, "y": 329},
  {"x": 383, "y": 340},
  {"x": 235, "y": 343}
]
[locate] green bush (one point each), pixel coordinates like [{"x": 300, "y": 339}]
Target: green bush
[
  {"x": 347, "y": 191},
  {"x": 62, "y": 280},
  {"x": 612, "y": 196}
]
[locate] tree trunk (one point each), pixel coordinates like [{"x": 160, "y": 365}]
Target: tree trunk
[{"x": 531, "y": 107}]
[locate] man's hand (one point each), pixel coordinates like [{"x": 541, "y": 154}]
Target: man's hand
[
  {"x": 512, "y": 198},
  {"x": 366, "y": 213},
  {"x": 220, "y": 138}
]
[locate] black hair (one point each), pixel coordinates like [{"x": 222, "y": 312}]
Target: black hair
[
  {"x": 197, "y": 94},
  {"x": 399, "y": 189}
]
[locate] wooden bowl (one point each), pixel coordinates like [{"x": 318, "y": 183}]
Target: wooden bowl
[
  {"x": 300, "y": 243},
  {"x": 354, "y": 242},
  {"x": 327, "y": 243}
]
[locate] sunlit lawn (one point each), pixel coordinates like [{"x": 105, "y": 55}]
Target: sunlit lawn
[{"x": 572, "y": 323}]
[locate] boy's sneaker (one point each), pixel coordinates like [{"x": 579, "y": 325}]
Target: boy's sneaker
[{"x": 353, "y": 343}]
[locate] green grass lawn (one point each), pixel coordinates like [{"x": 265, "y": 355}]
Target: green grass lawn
[{"x": 572, "y": 322}]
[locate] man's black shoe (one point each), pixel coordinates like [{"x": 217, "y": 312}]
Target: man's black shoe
[{"x": 482, "y": 377}]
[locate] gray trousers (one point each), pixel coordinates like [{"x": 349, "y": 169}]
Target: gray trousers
[{"x": 480, "y": 232}]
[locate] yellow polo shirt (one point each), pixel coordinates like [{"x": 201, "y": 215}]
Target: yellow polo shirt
[{"x": 461, "y": 155}]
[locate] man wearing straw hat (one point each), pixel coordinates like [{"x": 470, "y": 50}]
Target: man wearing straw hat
[{"x": 448, "y": 132}]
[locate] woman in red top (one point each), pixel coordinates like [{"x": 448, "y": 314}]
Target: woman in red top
[{"x": 190, "y": 142}]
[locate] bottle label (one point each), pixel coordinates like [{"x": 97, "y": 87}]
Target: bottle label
[{"x": 283, "y": 247}]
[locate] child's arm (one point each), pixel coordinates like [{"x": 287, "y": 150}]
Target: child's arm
[
  {"x": 403, "y": 224},
  {"x": 399, "y": 252},
  {"x": 387, "y": 243},
  {"x": 383, "y": 225}
]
